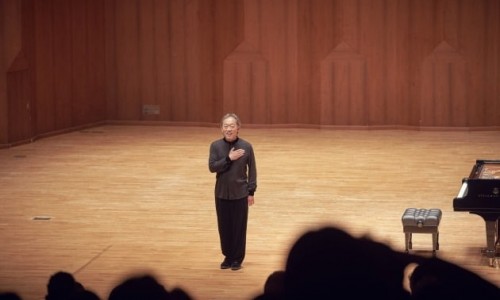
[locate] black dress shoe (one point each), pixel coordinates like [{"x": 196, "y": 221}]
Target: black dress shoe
[
  {"x": 225, "y": 265},
  {"x": 235, "y": 266}
]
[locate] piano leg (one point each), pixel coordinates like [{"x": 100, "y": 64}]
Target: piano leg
[
  {"x": 491, "y": 241},
  {"x": 492, "y": 234}
]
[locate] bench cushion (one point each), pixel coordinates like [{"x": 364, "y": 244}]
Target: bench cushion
[{"x": 421, "y": 217}]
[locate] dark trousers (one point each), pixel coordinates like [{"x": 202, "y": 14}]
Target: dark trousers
[{"x": 232, "y": 217}]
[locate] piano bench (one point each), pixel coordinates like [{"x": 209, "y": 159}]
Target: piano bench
[{"x": 421, "y": 220}]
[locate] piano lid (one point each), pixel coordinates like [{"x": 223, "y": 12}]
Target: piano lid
[
  {"x": 486, "y": 169},
  {"x": 481, "y": 190}
]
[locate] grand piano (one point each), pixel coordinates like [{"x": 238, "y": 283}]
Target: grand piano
[{"x": 480, "y": 195}]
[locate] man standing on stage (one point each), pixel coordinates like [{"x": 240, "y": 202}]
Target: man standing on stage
[{"x": 232, "y": 158}]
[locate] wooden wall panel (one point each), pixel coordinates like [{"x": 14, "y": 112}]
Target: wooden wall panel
[
  {"x": 207, "y": 62},
  {"x": 62, "y": 49},
  {"x": 374, "y": 48},
  {"x": 44, "y": 71},
  {"x": 147, "y": 48},
  {"x": 444, "y": 88},
  {"x": 473, "y": 44},
  {"x": 273, "y": 62},
  {"x": 246, "y": 82},
  {"x": 343, "y": 86},
  {"x": 162, "y": 59},
  {"x": 177, "y": 17},
  {"x": 397, "y": 63},
  {"x": 245, "y": 88},
  {"x": 80, "y": 84},
  {"x": 491, "y": 62},
  {"x": 10, "y": 46},
  {"x": 110, "y": 69},
  {"x": 193, "y": 104},
  {"x": 421, "y": 42},
  {"x": 178, "y": 51},
  {"x": 16, "y": 88},
  {"x": 63, "y": 69},
  {"x": 96, "y": 78},
  {"x": 127, "y": 65},
  {"x": 307, "y": 77},
  {"x": 294, "y": 109},
  {"x": 4, "y": 117},
  {"x": 273, "y": 47},
  {"x": 87, "y": 64},
  {"x": 228, "y": 28},
  {"x": 19, "y": 95}
]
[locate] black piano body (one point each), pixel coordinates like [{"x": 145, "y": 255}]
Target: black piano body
[{"x": 480, "y": 195}]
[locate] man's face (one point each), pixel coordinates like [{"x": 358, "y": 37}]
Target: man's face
[{"x": 230, "y": 129}]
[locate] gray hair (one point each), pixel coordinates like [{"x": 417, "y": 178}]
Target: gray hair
[{"x": 231, "y": 115}]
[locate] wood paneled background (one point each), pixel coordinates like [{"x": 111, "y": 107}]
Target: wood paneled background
[{"x": 407, "y": 63}]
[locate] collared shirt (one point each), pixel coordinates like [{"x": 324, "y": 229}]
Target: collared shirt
[{"x": 235, "y": 179}]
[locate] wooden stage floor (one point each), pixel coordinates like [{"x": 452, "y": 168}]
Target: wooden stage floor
[{"x": 111, "y": 201}]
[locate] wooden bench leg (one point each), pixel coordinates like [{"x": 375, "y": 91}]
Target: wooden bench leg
[
  {"x": 435, "y": 243},
  {"x": 408, "y": 244}
]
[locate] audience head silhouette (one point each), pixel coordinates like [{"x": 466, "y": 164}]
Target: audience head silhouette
[
  {"x": 85, "y": 295},
  {"x": 9, "y": 296},
  {"x": 62, "y": 286},
  {"x": 144, "y": 287},
  {"x": 275, "y": 284},
  {"x": 274, "y": 287},
  {"x": 439, "y": 279},
  {"x": 140, "y": 287},
  {"x": 329, "y": 262}
]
